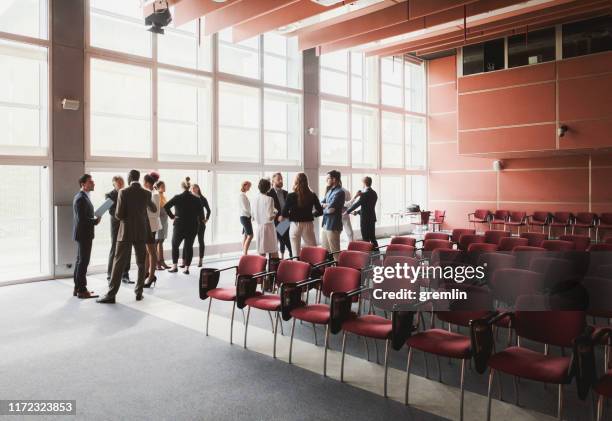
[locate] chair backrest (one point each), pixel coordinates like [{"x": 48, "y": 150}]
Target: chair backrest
[
  {"x": 458, "y": 232},
  {"x": 482, "y": 248},
  {"x": 599, "y": 291},
  {"x": 600, "y": 247},
  {"x": 447, "y": 257},
  {"x": 493, "y": 236},
  {"x": 581, "y": 242},
  {"x": 555, "y": 271},
  {"x": 585, "y": 218},
  {"x": 509, "y": 283},
  {"x": 393, "y": 260},
  {"x": 478, "y": 304},
  {"x": 436, "y": 236},
  {"x": 558, "y": 328},
  {"x": 605, "y": 218},
  {"x": 425, "y": 217},
  {"x": 340, "y": 279},
  {"x": 251, "y": 264},
  {"x": 541, "y": 216},
  {"x": 403, "y": 239},
  {"x": 363, "y": 246},
  {"x": 353, "y": 259},
  {"x": 608, "y": 240},
  {"x": 517, "y": 216},
  {"x": 562, "y": 217},
  {"x": 535, "y": 238},
  {"x": 431, "y": 245},
  {"x": 558, "y": 245},
  {"x": 467, "y": 239},
  {"x": 495, "y": 261},
  {"x": 439, "y": 216},
  {"x": 501, "y": 214},
  {"x": 313, "y": 255},
  {"x": 508, "y": 243},
  {"x": 482, "y": 213},
  {"x": 400, "y": 250},
  {"x": 525, "y": 254},
  {"x": 292, "y": 271}
]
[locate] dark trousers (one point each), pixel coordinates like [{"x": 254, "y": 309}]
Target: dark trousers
[
  {"x": 80, "y": 266},
  {"x": 368, "y": 231},
  {"x": 284, "y": 241},
  {"x": 201, "y": 245},
  {"x": 122, "y": 256},
  {"x": 111, "y": 256},
  {"x": 178, "y": 236}
]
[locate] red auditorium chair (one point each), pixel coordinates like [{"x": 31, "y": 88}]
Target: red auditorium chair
[
  {"x": 445, "y": 343},
  {"x": 437, "y": 220},
  {"x": 558, "y": 245},
  {"x": 600, "y": 247},
  {"x": 507, "y": 284},
  {"x": 288, "y": 271},
  {"x": 250, "y": 265},
  {"x": 500, "y": 217},
  {"x": 509, "y": 243},
  {"x": 581, "y": 242},
  {"x": 560, "y": 220},
  {"x": 535, "y": 238},
  {"x": 482, "y": 248},
  {"x": 479, "y": 216},
  {"x": 316, "y": 257},
  {"x": 516, "y": 219},
  {"x": 556, "y": 328},
  {"x": 603, "y": 388},
  {"x": 494, "y": 236},
  {"x": 599, "y": 291},
  {"x": 335, "y": 279},
  {"x": 402, "y": 239},
  {"x": 467, "y": 239},
  {"x": 364, "y": 246},
  {"x": 436, "y": 236},
  {"x": 458, "y": 232},
  {"x": 492, "y": 262},
  {"x": 584, "y": 220},
  {"x": 353, "y": 259},
  {"x": 604, "y": 224},
  {"x": 525, "y": 254},
  {"x": 608, "y": 240},
  {"x": 539, "y": 219},
  {"x": 442, "y": 257},
  {"x": 400, "y": 250},
  {"x": 431, "y": 245}
]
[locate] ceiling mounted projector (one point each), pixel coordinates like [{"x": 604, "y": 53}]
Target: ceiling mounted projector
[{"x": 160, "y": 17}]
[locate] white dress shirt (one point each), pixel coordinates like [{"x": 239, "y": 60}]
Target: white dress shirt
[{"x": 244, "y": 205}]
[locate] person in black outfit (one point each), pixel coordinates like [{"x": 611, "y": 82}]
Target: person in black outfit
[
  {"x": 197, "y": 192},
  {"x": 188, "y": 209},
  {"x": 367, "y": 202},
  {"x": 280, "y": 196},
  {"x": 84, "y": 221},
  {"x": 118, "y": 184}
]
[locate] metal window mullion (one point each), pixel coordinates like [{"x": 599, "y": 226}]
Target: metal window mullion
[
  {"x": 260, "y": 60},
  {"x": 154, "y": 102}
]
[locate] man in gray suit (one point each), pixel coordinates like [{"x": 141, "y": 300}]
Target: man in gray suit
[{"x": 132, "y": 204}]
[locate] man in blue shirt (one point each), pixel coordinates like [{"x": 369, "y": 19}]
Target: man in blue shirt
[{"x": 332, "y": 205}]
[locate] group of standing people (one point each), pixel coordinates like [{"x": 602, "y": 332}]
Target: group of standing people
[{"x": 273, "y": 205}]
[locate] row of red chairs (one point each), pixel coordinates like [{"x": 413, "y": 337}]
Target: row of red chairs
[{"x": 542, "y": 220}]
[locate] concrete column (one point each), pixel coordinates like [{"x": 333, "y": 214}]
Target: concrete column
[
  {"x": 311, "y": 117},
  {"x": 68, "y": 140}
]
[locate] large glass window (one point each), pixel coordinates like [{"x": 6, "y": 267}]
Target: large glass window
[
  {"x": 587, "y": 37},
  {"x": 334, "y": 133},
  {"x": 185, "y": 46},
  {"x": 120, "y": 101},
  {"x": 334, "y": 73},
  {"x": 23, "y": 99},
  {"x": 392, "y": 140},
  {"x": 391, "y": 77},
  {"x": 392, "y": 198},
  {"x": 414, "y": 87},
  {"x": 531, "y": 48},
  {"x": 364, "y": 137},
  {"x": 416, "y": 143},
  {"x": 364, "y": 78},
  {"x": 227, "y": 224},
  {"x": 184, "y": 117},
  {"x": 24, "y": 17},
  {"x": 118, "y": 25},
  {"x": 239, "y": 123},
  {"x": 241, "y": 59},
  {"x": 282, "y": 61},
  {"x": 282, "y": 128},
  {"x": 24, "y": 233}
]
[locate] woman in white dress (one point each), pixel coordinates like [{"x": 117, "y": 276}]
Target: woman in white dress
[{"x": 264, "y": 214}]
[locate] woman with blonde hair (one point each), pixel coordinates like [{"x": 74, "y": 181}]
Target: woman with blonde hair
[
  {"x": 301, "y": 207},
  {"x": 245, "y": 216}
]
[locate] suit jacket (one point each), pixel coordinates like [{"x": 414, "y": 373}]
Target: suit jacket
[
  {"x": 367, "y": 202},
  {"x": 188, "y": 209},
  {"x": 332, "y": 221},
  {"x": 83, "y": 219},
  {"x": 132, "y": 204},
  {"x": 112, "y": 195},
  {"x": 272, "y": 193}
]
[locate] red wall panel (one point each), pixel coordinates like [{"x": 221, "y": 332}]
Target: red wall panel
[
  {"x": 505, "y": 78},
  {"x": 442, "y": 98},
  {"x": 585, "y": 98},
  {"x": 587, "y": 134},
  {"x": 442, "y": 70},
  {"x": 557, "y": 185},
  {"x": 468, "y": 186},
  {"x": 442, "y": 127},
  {"x": 586, "y": 65},
  {"x": 443, "y": 156},
  {"x": 508, "y": 139}
]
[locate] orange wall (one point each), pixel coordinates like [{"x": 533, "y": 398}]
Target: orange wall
[{"x": 459, "y": 184}]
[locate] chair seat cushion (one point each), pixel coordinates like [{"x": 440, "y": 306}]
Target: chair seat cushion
[
  {"x": 441, "y": 342},
  {"x": 268, "y": 302},
  {"x": 478, "y": 220},
  {"x": 313, "y": 313},
  {"x": 370, "y": 325},
  {"x": 538, "y": 223},
  {"x": 515, "y": 223},
  {"x": 498, "y": 221},
  {"x": 581, "y": 225},
  {"x": 559, "y": 224},
  {"x": 604, "y": 385},
  {"x": 223, "y": 294},
  {"x": 604, "y": 226},
  {"x": 528, "y": 364}
]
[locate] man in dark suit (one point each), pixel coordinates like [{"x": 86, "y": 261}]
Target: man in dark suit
[
  {"x": 113, "y": 195},
  {"x": 279, "y": 195},
  {"x": 84, "y": 221},
  {"x": 367, "y": 202},
  {"x": 132, "y": 204}
]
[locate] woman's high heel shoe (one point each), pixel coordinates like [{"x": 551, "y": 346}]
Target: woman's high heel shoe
[
  {"x": 151, "y": 282},
  {"x": 200, "y": 263},
  {"x": 164, "y": 265}
]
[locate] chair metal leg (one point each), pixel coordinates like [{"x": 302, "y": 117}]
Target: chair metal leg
[
  {"x": 462, "y": 389},
  {"x": 491, "y": 375},
  {"x": 325, "y": 351},
  {"x": 271, "y": 322},
  {"x": 232, "y": 324},
  {"x": 342, "y": 360},
  {"x": 499, "y": 386},
  {"x": 365, "y": 341},
  {"x": 386, "y": 366},
  {"x": 208, "y": 314},
  {"x": 439, "y": 369},
  {"x": 600, "y": 405},
  {"x": 275, "y": 334},
  {"x": 560, "y": 403},
  {"x": 408, "y": 375},
  {"x": 426, "y": 365},
  {"x": 314, "y": 329},
  {"x": 246, "y": 326},
  {"x": 516, "y": 390},
  {"x": 291, "y": 340},
  {"x": 376, "y": 348}
]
